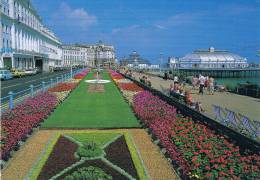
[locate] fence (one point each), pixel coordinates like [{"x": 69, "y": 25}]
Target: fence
[
  {"x": 14, "y": 98},
  {"x": 238, "y": 122},
  {"x": 252, "y": 92}
]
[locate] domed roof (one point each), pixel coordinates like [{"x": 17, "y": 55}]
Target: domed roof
[
  {"x": 134, "y": 58},
  {"x": 212, "y": 55}
]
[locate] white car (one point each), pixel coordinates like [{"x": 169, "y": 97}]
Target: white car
[{"x": 30, "y": 71}]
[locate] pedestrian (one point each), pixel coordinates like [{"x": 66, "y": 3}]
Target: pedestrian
[
  {"x": 175, "y": 79},
  {"x": 176, "y": 88},
  {"x": 165, "y": 76},
  {"x": 202, "y": 84},
  {"x": 194, "y": 82},
  {"x": 188, "y": 98},
  {"x": 171, "y": 89},
  {"x": 198, "y": 107},
  {"x": 211, "y": 85}
]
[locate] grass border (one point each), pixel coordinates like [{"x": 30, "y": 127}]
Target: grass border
[
  {"x": 138, "y": 163},
  {"x": 39, "y": 163}
]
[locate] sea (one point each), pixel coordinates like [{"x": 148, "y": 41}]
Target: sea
[{"x": 233, "y": 82}]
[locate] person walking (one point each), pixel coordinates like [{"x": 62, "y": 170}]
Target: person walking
[
  {"x": 202, "y": 84},
  {"x": 175, "y": 79},
  {"x": 211, "y": 85}
]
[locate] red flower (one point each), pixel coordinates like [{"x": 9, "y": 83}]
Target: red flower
[{"x": 208, "y": 175}]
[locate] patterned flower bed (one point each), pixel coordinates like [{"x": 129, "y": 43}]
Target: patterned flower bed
[
  {"x": 81, "y": 75},
  {"x": 63, "y": 87},
  {"x": 19, "y": 122},
  {"x": 198, "y": 150},
  {"x": 69, "y": 154}
]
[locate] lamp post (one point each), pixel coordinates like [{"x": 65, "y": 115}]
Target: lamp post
[
  {"x": 161, "y": 59},
  {"x": 71, "y": 71}
]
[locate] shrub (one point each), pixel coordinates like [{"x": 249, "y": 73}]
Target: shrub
[
  {"x": 87, "y": 173},
  {"x": 89, "y": 150}
]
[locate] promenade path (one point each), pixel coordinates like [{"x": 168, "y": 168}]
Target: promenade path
[{"x": 245, "y": 105}]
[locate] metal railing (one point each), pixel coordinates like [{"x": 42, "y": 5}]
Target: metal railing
[
  {"x": 15, "y": 98},
  {"x": 238, "y": 122},
  {"x": 252, "y": 92}
]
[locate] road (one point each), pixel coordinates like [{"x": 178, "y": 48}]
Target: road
[{"x": 19, "y": 84}]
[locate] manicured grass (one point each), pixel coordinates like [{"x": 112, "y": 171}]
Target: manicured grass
[{"x": 93, "y": 110}]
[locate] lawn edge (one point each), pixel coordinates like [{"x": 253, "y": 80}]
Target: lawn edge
[{"x": 39, "y": 163}]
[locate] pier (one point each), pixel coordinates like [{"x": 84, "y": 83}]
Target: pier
[{"x": 219, "y": 73}]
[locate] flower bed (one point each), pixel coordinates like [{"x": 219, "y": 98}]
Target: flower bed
[
  {"x": 19, "y": 122},
  {"x": 129, "y": 87},
  {"x": 115, "y": 76},
  {"x": 197, "y": 149},
  {"x": 63, "y": 87},
  {"x": 81, "y": 75},
  {"x": 61, "y": 96},
  {"x": 69, "y": 152},
  {"x": 128, "y": 95}
]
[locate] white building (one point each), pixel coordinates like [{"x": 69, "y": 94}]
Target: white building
[
  {"x": 90, "y": 55},
  {"x": 104, "y": 54},
  {"x": 25, "y": 42},
  {"x": 212, "y": 59},
  {"x": 74, "y": 55}
]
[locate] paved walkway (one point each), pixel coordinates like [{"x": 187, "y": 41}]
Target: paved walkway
[
  {"x": 245, "y": 105},
  {"x": 157, "y": 166}
]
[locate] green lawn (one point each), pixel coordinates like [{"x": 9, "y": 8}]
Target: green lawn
[{"x": 93, "y": 110}]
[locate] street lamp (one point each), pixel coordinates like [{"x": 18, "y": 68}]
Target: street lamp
[{"x": 161, "y": 59}]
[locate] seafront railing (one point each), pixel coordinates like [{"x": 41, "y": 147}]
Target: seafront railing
[
  {"x": 238, "y": 122},
  {"x": 15, "y": 98}
]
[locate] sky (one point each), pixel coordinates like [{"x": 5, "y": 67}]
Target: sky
[{"x": 150, "y": 27}]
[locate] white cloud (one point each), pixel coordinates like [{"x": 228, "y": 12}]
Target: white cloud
[
  {"x": 159, "y": 26},
  {"x": 180, "y": 19},
  {"x": 127, "y": 29},
  {"x": 67, "y": 17}
]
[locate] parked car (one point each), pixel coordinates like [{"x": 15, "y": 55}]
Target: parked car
[
  {"x": 18, "y": 73},
  {"x": 30, "y": 71},
  {"x": 38, "y": 70},
  {"x": 5, "y": 74}
]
